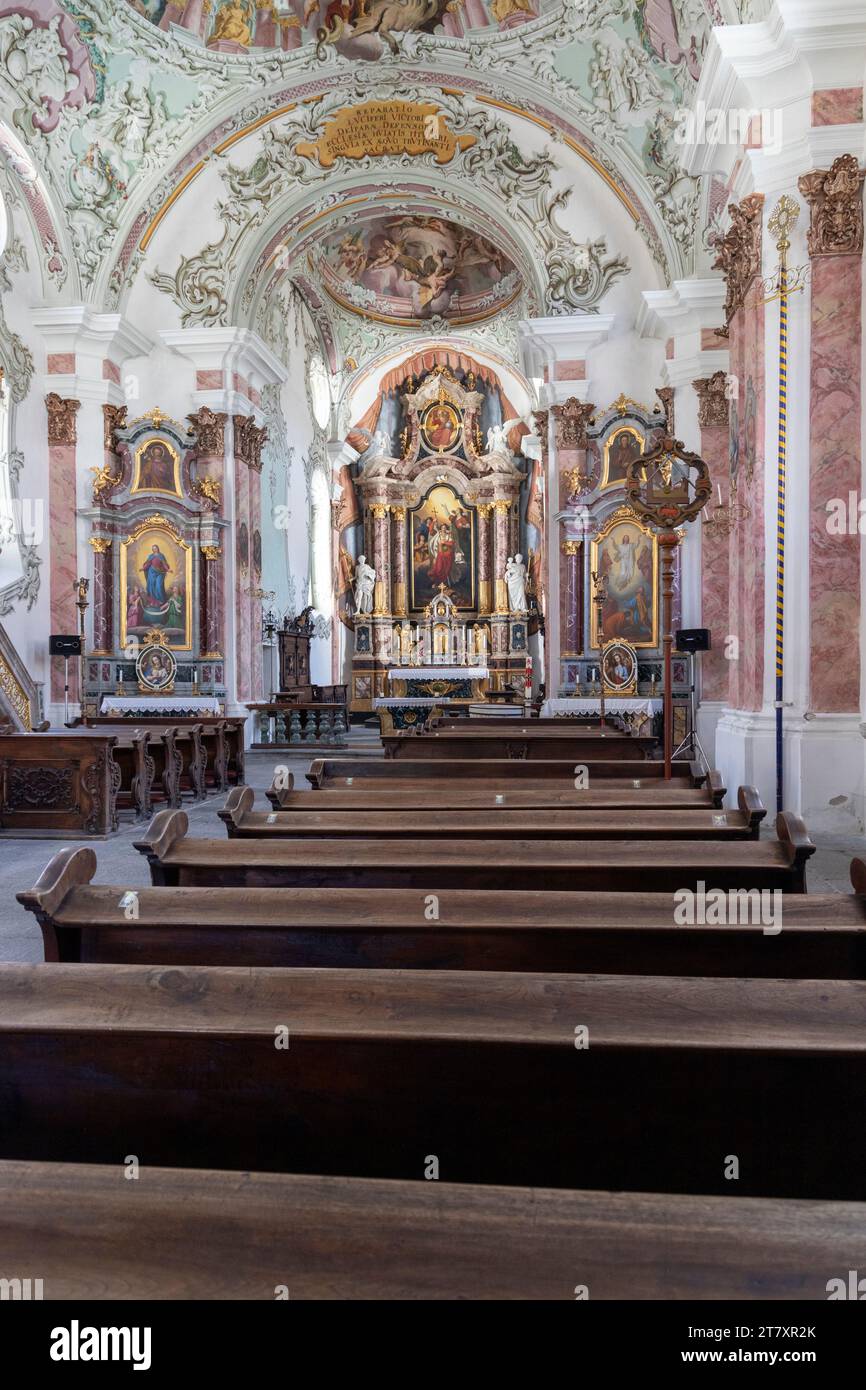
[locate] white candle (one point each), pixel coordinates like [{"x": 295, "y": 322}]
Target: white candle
[{"x": 719, "y": 486}]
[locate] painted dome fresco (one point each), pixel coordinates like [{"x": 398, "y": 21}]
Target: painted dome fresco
[{"x": 407, "y": 268}]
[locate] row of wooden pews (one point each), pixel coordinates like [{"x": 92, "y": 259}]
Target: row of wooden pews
[
  {"x": 72, "y": 783},
  {"x": 444, "y": 1035}
]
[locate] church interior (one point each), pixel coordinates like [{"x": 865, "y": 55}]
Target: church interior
[{"x": 432, "y": 762}]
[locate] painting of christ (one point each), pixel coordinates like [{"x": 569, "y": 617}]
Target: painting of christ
[
  {"x": 440, "y": 427},
  {"x": 442, "y": 549},
  {"x": 627, "y": 557}
]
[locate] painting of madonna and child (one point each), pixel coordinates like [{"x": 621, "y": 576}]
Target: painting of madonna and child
[
  {"x": 155, "y": 582},
  {"x": 442, "y": 538}
]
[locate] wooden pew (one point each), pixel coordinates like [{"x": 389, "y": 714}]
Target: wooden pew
[
  {"x": 383, "y": 795},
  {"x": 137, "y": 770},
  {"x": 602, "y": 865},
  {"x": 59, "y": 785},
  {"x": 421, "y": 771},
  {"x": 536, "y": 823},
  {"x": 329, "y": 1237},
  {"x": 822, "y": 937},
  {"x": 222, "y": 740},
  {"x": 490, "y": 1072},
  {"x": 521, "y": 743}
]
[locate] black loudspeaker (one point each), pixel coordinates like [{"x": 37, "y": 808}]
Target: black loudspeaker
[
  {"x": 59, "y": 645},
  {"x": 693, "y": 639}
]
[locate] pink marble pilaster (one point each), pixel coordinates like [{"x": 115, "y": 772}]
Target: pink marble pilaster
[{"x": 64, "y": 558}]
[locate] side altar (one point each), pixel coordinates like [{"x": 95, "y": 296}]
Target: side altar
[{"x": 433, "y": 556}]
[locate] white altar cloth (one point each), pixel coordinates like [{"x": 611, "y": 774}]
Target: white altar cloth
[
  {"x": 448, "y": 673},
  {"x": 159, "y": 704},
  {"x": 591, "y": 704}
]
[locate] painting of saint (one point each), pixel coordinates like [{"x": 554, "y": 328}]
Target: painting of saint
[
  {"x": 623, "y": 446},
  {"x": 156, "y": 578},
  {"x": 442, "y": 541},
  {"x": 440, "y": 427},
  {"x": 157, "y": 469},
  {"x": 257, "y": 553},
  {"x": 628, "y": 559},
  {"x": 156, "y": 668}
]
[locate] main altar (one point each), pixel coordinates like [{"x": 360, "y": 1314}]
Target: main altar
[{"x": 437, "y": 574}]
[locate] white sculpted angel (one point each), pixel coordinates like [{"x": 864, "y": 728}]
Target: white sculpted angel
[{"x": 365, "y": 579}]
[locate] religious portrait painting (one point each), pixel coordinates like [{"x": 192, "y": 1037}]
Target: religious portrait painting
[
  {"x": 157, "y": 468},
  {"x": 156, "y": 669},
  {"x": 441, "y": 427},
  {"x": 442, "y": 549},
  {"x": 156, "y": 584},
  {"x": 624, "y": 445},
  {"x": 619, "y": 668},
  {"x": 625, "y": 555},
  {"x": 257, "y": 553}
]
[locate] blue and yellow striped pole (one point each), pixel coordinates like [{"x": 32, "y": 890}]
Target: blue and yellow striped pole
[{"x": 780, "y": 224}]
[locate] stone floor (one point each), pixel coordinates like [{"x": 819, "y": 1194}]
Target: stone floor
[{"x": 22, "y": 861}]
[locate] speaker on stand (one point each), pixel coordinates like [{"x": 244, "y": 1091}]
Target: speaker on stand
[
  {"x": 692, "y": 641},
  {"x": 65, "y": 646}
]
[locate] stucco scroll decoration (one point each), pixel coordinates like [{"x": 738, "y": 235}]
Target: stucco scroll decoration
[{"x": 578, "y": 276}]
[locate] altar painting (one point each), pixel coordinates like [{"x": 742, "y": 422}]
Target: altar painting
[
  {"x": 626, "y": 554},
  {"x": 157, "y": 468},
  {"x": 442, "y": 549},
  {"x": 624, "y": 445},
  {"x": 156, "y": 587}
]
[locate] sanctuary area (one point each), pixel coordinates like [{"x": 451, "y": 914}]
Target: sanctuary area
[{"x": 432, "y": 641}]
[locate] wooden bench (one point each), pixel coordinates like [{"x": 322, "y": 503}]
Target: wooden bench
[
  {"x": 330, "y": 1237},
  {"x": 430, "y": 865},
  {"x": 221, "y": 739},
  {"x": 822, "y": 937},
  {"x": 182, "y": 1066},
  {"x": 526, "y": 741},
  {"x": 421, "y": 771},
  {"x": 537, "y": 823},
  {"x": 59, "y": 785},
  {"x": 383, "y": 795}
]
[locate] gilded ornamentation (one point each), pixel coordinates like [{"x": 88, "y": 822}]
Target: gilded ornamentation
[
  {"x": 835, "y": 198},
  {"x": 713, "y": 408},
  {"x": 105, "y": 480},
  {"x": 15, "y": 693},
  {"x": 207, "y": 490},
  {"x": 739, "y": 252},
  {"x": 61, "y": 419},
  {"x": 572, "y": 419},
  {"x": 666, "y": 396},
  {"x": 209, "y": 428},
  {"x": 249, "y": 441},
  {"x": 113, "y": 419},
  {"x": 211, "y": 552},
  {"x": 101, "y": 544}
]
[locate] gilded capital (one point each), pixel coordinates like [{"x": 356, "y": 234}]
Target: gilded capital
[{"x": 835, "y": 198}]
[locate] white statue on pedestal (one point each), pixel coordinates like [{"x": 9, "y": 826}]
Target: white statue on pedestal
[
  {"x": 515, "y": 579},
  {"x": 497, "y": 439},
  {"x": 365, "y": 579}
]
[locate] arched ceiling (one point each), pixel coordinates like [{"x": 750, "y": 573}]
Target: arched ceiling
[{"x": 198, "y": 157}]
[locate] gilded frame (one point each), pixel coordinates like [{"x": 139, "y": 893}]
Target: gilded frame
[
  {"x": 157, "y": 523},
  {"x": 136, "y": 471},
  {"x": 635, "y": 433}
]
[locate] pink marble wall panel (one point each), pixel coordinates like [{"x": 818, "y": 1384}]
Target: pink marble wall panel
[
  {"x": 715, "y": 594},
  {"x": 710, "y": 340},
  {"x": 242, "y": 581},
  {"x": 838, "y": 106},
  {"x": 64, "y": 558},
  {"x": 209, "y": 381},
  {"x": 571, "y": 371},
  {"x": 753, "y": 561},
  {"x": 669, "y": 349},
  {"x": 110, "y": 371},
  {"x": 834, "y": 569},
  {"x": 61, "y": 363}
]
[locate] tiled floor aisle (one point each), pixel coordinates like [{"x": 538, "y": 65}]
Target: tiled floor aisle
[{"x": 21, "y": 861}]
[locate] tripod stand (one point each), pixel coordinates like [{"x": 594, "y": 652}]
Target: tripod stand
[{"x": 691, "y": 740}]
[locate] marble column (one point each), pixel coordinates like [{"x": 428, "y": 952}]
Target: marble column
[
  {"x": 485, "y": 596},
  {"x": 210, "y": 602},
  {"x": 382, "y": 558},
  {"x": 62, "y": 440},
  {"x": 713, "y": 411},
  {"x": 102, "y": 596},
  {"x": 571, "y": 599},
  {"x": 835, "y": 198},
  {"x": 502, "y": 510},
  {"x": 740, "y": 257},
  {"x": 243, "y": 654},
  {"x": 398, "y": 538}
]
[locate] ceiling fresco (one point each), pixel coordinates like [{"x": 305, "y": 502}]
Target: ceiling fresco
[{"x": 410, "y": 268}]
